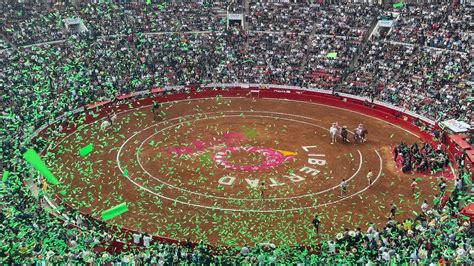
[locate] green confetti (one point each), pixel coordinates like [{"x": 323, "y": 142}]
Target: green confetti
[
  {"x": 86, "y": 150},
  {"x": 114, "y": 211},
  {"x": 5, "y": 176},
  {"x": 34, "y": 159}
]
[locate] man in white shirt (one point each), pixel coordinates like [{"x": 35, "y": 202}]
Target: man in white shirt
[
  {"x": 136, "y": 238},
  {"x": 386, "y": 255},
  {"x": 78, "y": 220},
  {"x": 414, "y": 257},
  {"x": 244, "y": 251},
  {"x": 333, "y": 132},
  {"x": 371, "y": 229},
  {"x": 458, "y": 184},
  {"x": 146, "y": 240},
  {"x": 424, "y": 206},
  {"x": 331, "y": 247}
]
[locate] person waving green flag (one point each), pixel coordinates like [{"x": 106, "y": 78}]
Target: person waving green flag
[{"x": 398, "y": 5}]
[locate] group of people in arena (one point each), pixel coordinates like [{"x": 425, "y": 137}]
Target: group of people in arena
[
  {"x": 336, "y": 131},
  {"x": 422, "y": 65},
  {"x": 424, "y": 159}
]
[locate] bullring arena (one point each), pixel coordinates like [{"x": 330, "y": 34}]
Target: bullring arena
[
  {"x": 236, "y": 132},
  {"x": 237, "y": 166}
]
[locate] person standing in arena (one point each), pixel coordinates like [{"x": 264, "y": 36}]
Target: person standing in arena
[
  {"x": 393, "y": 210},
  {"x": 155, "y": 109},
  {"x": 343, "y": 186},
  {"x": 344, "y": 134},
  {"x": 442, "y": 186},
  {"x": 370, "y": 175},
  {"x": 109, "y": 119},
  {"x": 262, "y": 189},
  {"x": 413, "y": 186},
  {"x": 333, "y": 132},
  {"x": 316, "y": 223}
]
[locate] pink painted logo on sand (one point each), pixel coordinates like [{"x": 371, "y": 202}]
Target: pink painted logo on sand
[
  {"x": 272, "y": 159},
  {"x": 199, "y": 146}
]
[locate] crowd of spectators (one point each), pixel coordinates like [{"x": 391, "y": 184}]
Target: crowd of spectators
[
  {"x": 425, "y": 159},
  {"x": 435, "y": 25},
  {"x": 394, "y": 73},
  {"x": 321, "y": 71},
  {"x": 351, "y": 20},
  {"x": 433, "y": 83},
  {"x": 4, "y": 44},
  {"x": 43, "y": 81},
  {"x": 262, "y": 58},
  {"x": 437, "y": 233},
  {"x": 29, "y": 24}
]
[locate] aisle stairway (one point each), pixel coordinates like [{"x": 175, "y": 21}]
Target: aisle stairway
[
  {"x": 220, "y": 12},
  {"x": 246, "y": 7},
  {"x": 363, "y": 43},
  {"x": 304, "y": 62},
  {"x": 360, "y": 49},
  {"x": 4, "y": 38}
]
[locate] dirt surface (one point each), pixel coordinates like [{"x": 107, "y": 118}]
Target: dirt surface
[{"x": 235, "y": 170}]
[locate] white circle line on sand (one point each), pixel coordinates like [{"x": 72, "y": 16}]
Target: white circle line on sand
[
  {"x": 373, "y": 117},
  {"x": 209, "y": 98},
  {"x": 348, "y": 110},
  {"x": 230, "y": 198},
  {"x": 263, "y": 211},
  {"x": 352, "y": 111},
  {"x": 130, "y": 110}
]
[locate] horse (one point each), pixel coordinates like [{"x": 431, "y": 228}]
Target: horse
[
  {"x": 109, "y": 121},
  {"x": 113, "y": 117},
  {"x": 105, "y": 125},
  {"x": 359, "y": 135},
  {"x": 344, "y": 134}
]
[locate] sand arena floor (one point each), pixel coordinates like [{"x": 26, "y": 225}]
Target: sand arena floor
[{"x": 199, "y": 171}]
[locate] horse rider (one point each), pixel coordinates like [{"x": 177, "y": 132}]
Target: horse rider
[
  {"x": 333, "y": 132},
  {"x": 361, "y": 132},
  {"x": 344, "y": 134}
]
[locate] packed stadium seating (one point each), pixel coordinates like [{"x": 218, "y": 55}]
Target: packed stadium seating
[
  {"x": 424, "y": 64},
  {"x": 428, "y": 81},
  {"x": 435, "y": 25}
]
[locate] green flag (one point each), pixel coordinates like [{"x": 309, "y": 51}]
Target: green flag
[
  {"x": 398, "y": 5},
  {"x": 86, "y": 150},
  {"x": 114, "y": 211},
  {"x": 5, "y": 175},
  {"x": 332, "y": 55},
  {"x": 34, "y": 159}
]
